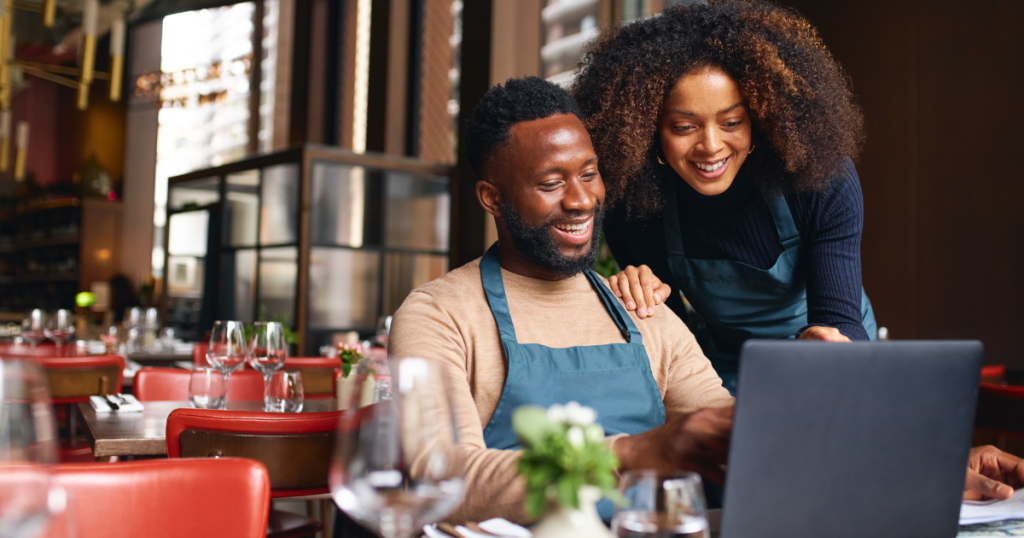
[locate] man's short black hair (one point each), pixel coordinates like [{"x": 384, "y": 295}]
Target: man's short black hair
[{"x": 520, "y": 99}]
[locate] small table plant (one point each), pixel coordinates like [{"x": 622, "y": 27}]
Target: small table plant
[
  {"x": 349, "y": 354},
  {"x": 567, "y": 466}
]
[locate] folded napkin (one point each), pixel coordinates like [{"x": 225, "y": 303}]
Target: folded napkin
[
  {"x": 126, "y": 403},
  {"x": 496, "y": 527}
]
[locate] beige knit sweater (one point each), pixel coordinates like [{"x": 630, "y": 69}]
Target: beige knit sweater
[{"x": 449, "y": 320}]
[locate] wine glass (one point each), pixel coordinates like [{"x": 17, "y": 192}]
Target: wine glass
[
  {"x": 227, "y": 351},
  {"x": 284, "y": 393},
  {"x": 27, "y": 449},
  {"x": 661, "y": 504},
  {"x": 396, "y": 464},
  {"x": 383, "y": 330},
  {"x": 267, "y": 352},
  {"x": 33, "y": 327},
  {"x": 60, "y": 328}
]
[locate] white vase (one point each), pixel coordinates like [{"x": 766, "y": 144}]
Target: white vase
[{"x": 568, "y": 523}]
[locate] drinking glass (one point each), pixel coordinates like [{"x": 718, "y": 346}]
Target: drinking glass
[
  {"x": 663, "y": 505},
  {"x": 33, "y": 327},
  {"x": 267, "y": 352},
  {"x": 284, "y": 393},
  {"x": 27, "y": 449},
  {"x": 383, "y": 330},
  {"x": 60, "y": 327},
  {"x": 207, "y": 389},
  {"x": 396, "y": 465},
  {"x": 227, "y": 351}
]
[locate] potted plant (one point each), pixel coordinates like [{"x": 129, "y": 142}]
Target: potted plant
[{"x": 567, "y": 467}]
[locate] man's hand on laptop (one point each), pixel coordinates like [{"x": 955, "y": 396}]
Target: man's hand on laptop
[
  {"x": 992, "y": 474},
  {"x": 696, "y": 442}
]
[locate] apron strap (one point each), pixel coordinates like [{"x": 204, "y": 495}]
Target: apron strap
[
  {"x": 611, "y": 304},
  {"x": 784, "y": 224},
  {"x": 494, "y": 287}
]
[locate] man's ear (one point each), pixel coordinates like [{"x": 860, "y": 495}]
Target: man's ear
[{"x": 489, "y": 197}]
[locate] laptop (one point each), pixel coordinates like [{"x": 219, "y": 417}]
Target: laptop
[{"x": 850, "y": 440}]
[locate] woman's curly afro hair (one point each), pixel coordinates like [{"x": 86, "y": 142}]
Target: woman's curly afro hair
[{"x": 801, "y": 102}]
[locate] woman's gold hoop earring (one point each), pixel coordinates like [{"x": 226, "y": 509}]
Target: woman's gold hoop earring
[
  {"x": 752, "y": 146},
  {"x": 660, "y": 160}
]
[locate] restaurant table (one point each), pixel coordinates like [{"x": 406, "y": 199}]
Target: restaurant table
[{"x": 143, "y": 434}]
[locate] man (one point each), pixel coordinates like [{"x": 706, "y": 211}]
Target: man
[{"x": 530, "y": 324}]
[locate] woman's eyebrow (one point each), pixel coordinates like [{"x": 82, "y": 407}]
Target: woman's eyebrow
[{"x": 719, "y": 113}]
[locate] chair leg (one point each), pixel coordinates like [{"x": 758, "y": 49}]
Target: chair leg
[
  {"x": 311, "y": 512},
  {"x": 328, "y": 517}
]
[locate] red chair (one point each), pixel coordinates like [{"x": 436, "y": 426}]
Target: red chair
[
  {"x": 227, "y": 498},
  {"x": 317, "y": 374},
  {"x": 199, "y": 354},
  {"x": 72, "y": 380},
  {"x": 993, "y": 373},
  {"x": 296, "y": 449},
  {"x": 171, "y": 384}
]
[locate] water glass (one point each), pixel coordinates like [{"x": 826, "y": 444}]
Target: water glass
[
  {"x": 267, "y": 352},
  {"x": 33, "y": 327},
  {"x": 27, "y": 449},
  {"x": 60, "y": 327},
  {"x": 227, "y": 351},
  {"x": 661, "y": 505},
  {"x": 396, "y": 464},
  {"x": 383, "y": 330},
  {"x": 207, "y": 389},
  {"x": 284, "y": 393}
]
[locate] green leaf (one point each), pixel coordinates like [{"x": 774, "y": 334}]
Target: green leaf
[
  {"x": 346, "y": 368},
  {"x": 532, "y": 426},
  {"x": 567, "y": 489},
  {"x": 536, "y": 499}
]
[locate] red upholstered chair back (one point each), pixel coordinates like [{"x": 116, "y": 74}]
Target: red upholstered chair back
[
  {"x": 199, "y": 354},
  {"x": 317, "y": 374},
  {"x": 227, "y": 498},
  {"x": 993, "y": 373},
  {"x": 157, "y": 384},
  {"x": 74, "y": 379},
  {"x": 296, "y": 448}
]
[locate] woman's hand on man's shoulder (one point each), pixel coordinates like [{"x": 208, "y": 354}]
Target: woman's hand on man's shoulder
[{"x": 639, "y": 289}]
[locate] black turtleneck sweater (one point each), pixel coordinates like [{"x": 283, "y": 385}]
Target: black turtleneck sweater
[{"x": 737, "y": 225}]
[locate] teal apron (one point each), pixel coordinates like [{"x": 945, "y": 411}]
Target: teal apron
[
  {"x": 736, "y": 301},
  {"x": 614, "y": 379}
]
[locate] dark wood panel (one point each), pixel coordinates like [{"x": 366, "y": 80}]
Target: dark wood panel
[
  {"x": 875, "y": 41},
  {"x": 972, "y": 195}
]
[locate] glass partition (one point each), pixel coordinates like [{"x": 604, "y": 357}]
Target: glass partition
[
  {"x": 376, "y": 227},
  {"x": 195, "y": 193}
]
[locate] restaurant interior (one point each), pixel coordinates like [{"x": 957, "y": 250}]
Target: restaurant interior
[{"x": 187, "y": 184}]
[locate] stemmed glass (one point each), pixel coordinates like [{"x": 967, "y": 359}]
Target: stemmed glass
[
  {"x": 396, "y": 464},
  {"x": 60, "y": 328},
  {"x": 267, "y": 352},
  {"x": 227, "y": 351},
  {"x": 27, "y": 449},
  {"x": 33, "y": 327},
  {"x": 383, "y": 330}
]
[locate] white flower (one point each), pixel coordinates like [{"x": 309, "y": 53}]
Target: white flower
[
  {"x": 556, "y": 413},
  {"x": 579, "y": 415},
  {"x": 595, "y": 433},
  {"x": 576, "y": 437}
]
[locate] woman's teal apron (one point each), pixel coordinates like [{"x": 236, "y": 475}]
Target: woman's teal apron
[
  {"x": 614, "y": 379},
  {"x": 736, "y": 301}
]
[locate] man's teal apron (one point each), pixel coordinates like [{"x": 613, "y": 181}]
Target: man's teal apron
[
  {"x": 614, "y": 379},
  {"x": 736, "y": 301}
]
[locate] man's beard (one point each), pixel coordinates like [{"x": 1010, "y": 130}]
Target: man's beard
[{"x": 538, "y": 245}]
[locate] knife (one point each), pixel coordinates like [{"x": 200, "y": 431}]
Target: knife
[{"x": 110, "y": 401}]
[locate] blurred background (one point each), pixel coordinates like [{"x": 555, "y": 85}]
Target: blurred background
[{"x": 300, "y": 160}]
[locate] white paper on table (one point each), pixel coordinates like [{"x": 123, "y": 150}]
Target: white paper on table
[
  {"x": 504, "y": 527},
  {"x": 975, "y": 512}
]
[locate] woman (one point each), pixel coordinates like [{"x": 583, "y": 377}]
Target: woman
[{"x": 725, "y": 134}]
